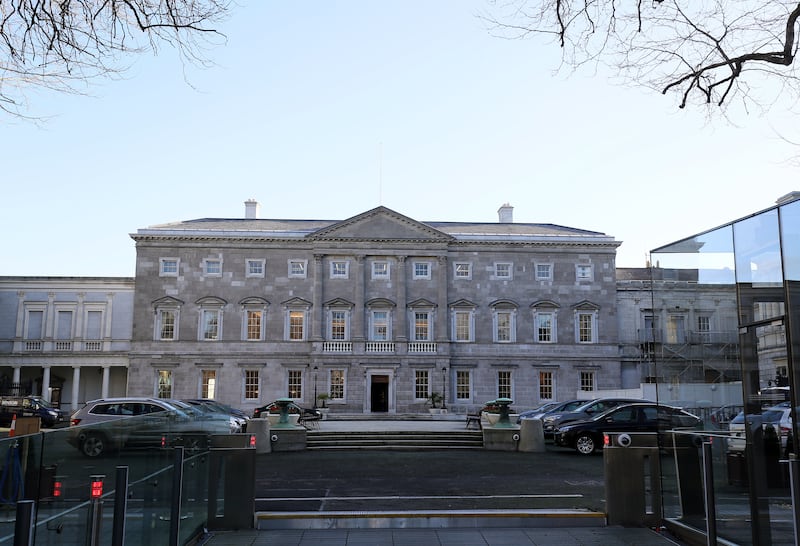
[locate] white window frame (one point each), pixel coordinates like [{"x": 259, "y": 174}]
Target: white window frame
[
  {"x": 297, "y": 269},
  {"x": 246, "y": 323},
  {"x": 343, "y": 272},
  {"x": 593, "y": 322},
  {"x": 470, "y": 313},
  {"x": 42, "y": 326},
  {"x": 538, "y": 274},
  {"x": 381, "y": 270},
  {"x": 207, "y": 313},
  {"x": 346, "y": 317},
  {"x": 373, "y": 324},
  {"x": 170, "y": 382},
  {"x": 504, "y": 271},
  {"x": 159, "y": 318},
  {"x": 457, "y": 390},
  {"x": 208, "y": 383},
  {"x": 249, "y": 373},
  {"x": 584, "y": 272},
  {"x": 587, "y": 380},
  {"x": 413, "y": 325},
  {"x": 288, "y": 324},
  {"x": 462, "y": 271},
  {"x": 512, "y": 325},
  {"x": 255, "y": 268},
  {"x": 297, "y": 372},
  {"x": 510, "y": 383},
  {"x": 551, "y": 386},
  {"x": 417, "y": 274},
  {"x": 331, "y": 397},
  {"x": 422, "y": 381},
  {"x": 212, "y": 267},
  {"x": 537, "y": 314},
  {"x": 164, "y": 270}
]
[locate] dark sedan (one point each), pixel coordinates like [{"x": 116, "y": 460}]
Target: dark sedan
[
  {"x": 591, "y": 408},
  {"x": 587, "y": 436}
]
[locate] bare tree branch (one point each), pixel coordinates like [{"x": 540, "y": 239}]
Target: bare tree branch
[
  {"x": 65, "y": 44},
  {"x": 703, "y": 51}
]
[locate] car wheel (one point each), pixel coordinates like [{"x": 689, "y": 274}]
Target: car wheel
[
  {"x": 93, "y": 445},
  {"x": 585, "y": 444}
]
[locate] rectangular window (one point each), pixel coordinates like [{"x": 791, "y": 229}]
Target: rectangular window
[
  {"x": 544, "y": 272},
  {"x": 503, "y": 333},
  {"x": 504, "y": 384},
  {"x": 168, "y": 267},
  {"x": 164, "y": 384},
  {"x": 463, "y": 325},
  {"x": 297, "y": 268},
  {"x": 583, "y": 272},
  {"x": 339, "y": 270},
  {"x": 587, "y": 381},
  {"x": 422, "y": 270},
  {"x": 213, "y": 267},
  {"x": 336, "y": 391},
  {"x": 64, "y": 325},
  {"x": 338, "y": 325},
  {"x": 380, "y": 270},
  {"x": 251, "y": 384},
  {"x": 585, "y": 330},
  {"x": 463, "y": 270},
  {"x": 503, "y": 270},
  {"x": 545, "y": 385},
  {"x": 544, "y": 327},
  {"x": 422, "y": 322},
  {"x": 255, "y": 268},
  {"x": 704, "y": 328},
  {"x": 676, "y": 331},
  {"x": 166, "y": 324},
  {"x": 210, "y": 324},
  {"x": 295, "y": 384},
  {"x": 380, "y": 326},
  {"x": 421, "y": 385},
  {"x": 254, "y": 325},
  {"x": 297, "y": 322},
  {"x": 94, "y": 325},
  {"x": 34, "y": 326},
  {"x": 463, "y": 391},
  {"x": 209, "y": 384}
]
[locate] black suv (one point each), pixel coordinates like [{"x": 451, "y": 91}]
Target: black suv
[{"x": 552, "y": 421}]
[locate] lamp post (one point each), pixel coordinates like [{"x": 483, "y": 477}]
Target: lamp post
[
  {"x": 444, "y": 387},
  {"x": 315, "y": 387}
]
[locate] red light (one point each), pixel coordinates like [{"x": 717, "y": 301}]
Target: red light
[
  {"x": 606, "y": 440},
  {"x": 163, "y": 441},
  {"x": 74, "y": 422},
  {"x": 252, "y": 440},
  {"x": 97, "y": 489},
  {"x": 56, "y": 489}
]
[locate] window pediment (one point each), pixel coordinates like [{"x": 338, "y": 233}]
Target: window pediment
[
  {"x": 339, "y": 302},
  {"x": 545, "y": 304},
  {"x": 255, "y": 300},
  {"x": 167, "y": 301},
  {"x": 421, "y": 302},
  {"x": 462, "y": 304},
  {"x": 380, "y": 302},
  {"x": 586, "y": 305},
  {"x": 504, "y": 304},
  {"x": 297, "y": 302},
  {"x": 211, "y": 301}
]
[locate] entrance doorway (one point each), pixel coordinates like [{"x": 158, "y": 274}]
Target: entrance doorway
[{"x": 379, "y": 393}]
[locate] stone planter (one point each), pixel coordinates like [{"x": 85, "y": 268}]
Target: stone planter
[
  {"x": 492, "y": 418},
  {"x": 274, "y": 418}
]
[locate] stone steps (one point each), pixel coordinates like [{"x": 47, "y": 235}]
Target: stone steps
[{"x": 394, "y": 440}]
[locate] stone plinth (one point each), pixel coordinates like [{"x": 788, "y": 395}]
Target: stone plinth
[
  {"x": 260, "y": 428},
  {"x": 288, "y": 439},
  {"x": 501, "y": 439}
]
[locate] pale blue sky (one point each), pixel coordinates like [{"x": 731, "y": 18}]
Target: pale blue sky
[{"x": 323, "y": 110}]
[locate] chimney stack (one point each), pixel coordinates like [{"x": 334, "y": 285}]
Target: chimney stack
[
  {"x": 251, "y": 209},
  {"x": 506, "y": 214}
]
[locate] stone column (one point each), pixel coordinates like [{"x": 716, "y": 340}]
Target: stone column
[
  {"x": 106, "y": 376},
  {"x": 15, "y": 375},
  {"x": 76, "y": 382},
  {"x": 357, "y": 325},
  {"x": 317, "y": 310},
  {"x": 401, "y": 333},
  {"x": 442, "y": 312},
  {"x": 46, "y": 382}
]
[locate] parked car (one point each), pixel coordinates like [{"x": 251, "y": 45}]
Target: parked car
[
  {"x": 307, "y": 415},
  {"x": 238, "y": 415},
  {"x": 589, "y": 409},
  {"x": 550, "y": 407},
  {"x": 30, "y": 406},
  {"x": 111, "y": 424},
  {"x": 721, "y": 417},
  {"x": 587, "y": 436},
  {"x": 777, "y": 418}
]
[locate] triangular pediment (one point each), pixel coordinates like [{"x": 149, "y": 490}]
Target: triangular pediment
[
  {"x": 421, "y": 302},
  {"x": 296, "y": 302},
  {"x": 167, "y": 301},
  {"x": 380, "y": 224}
]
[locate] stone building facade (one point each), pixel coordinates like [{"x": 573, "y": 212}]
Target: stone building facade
[
  {"x": 377, "y": 311},
  {"x": 65, "y": 338}
]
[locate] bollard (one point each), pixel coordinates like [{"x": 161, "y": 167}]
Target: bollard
[
  {"x": 260, "y": 428},
  {"x": 23, "y": 526},
  {"x": 120, "y": 506},
  {"x": 95, "y": 515},
  {"x": 531, "y": 436}
]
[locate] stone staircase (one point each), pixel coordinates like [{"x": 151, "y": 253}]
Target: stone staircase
[{"x": 394, "y": 440}]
